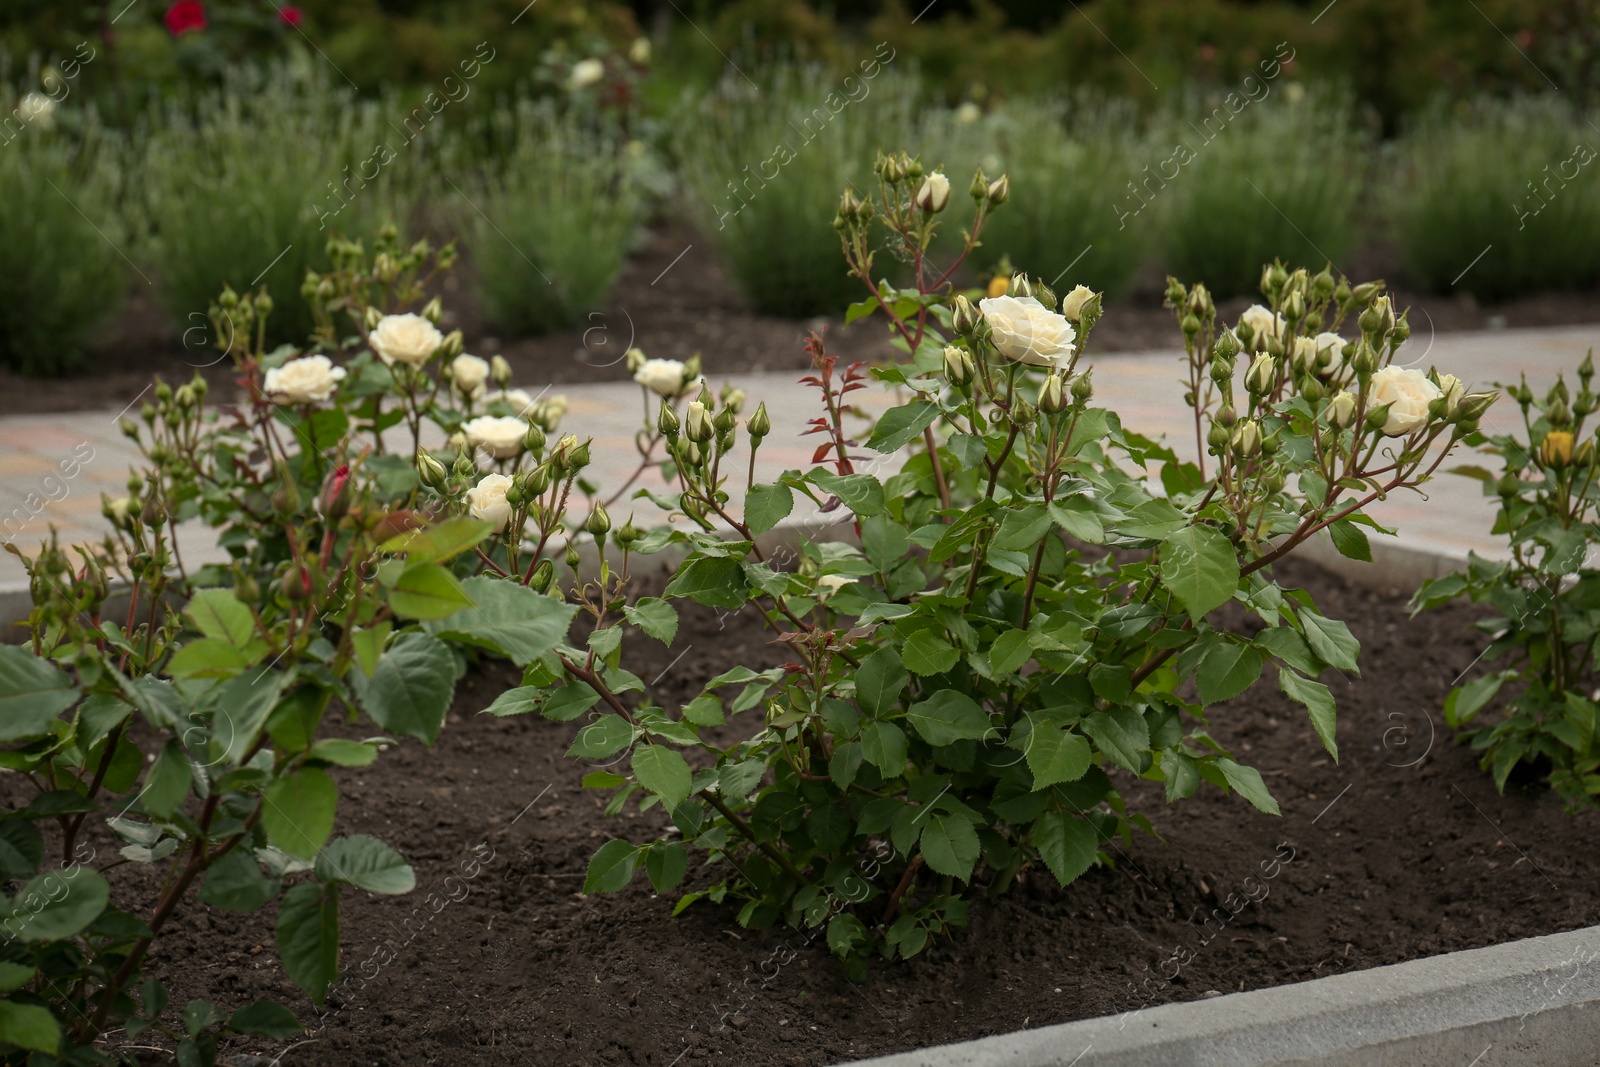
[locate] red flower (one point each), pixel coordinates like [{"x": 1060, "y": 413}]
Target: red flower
[
  {"x": 186, "y": 16},
  {"x": 291, "y": 16}
]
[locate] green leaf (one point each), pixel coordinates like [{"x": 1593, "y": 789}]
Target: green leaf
[
  {"x": 1077, "y": 518},
  {"x": 1247, "y": 781},
  {"x": 925, "y": 653},
  {"x": 366, "y": 863},
  {"x": 243, "y": 705},
  {"x": 29, "y": 1026},
  {"x": 655, "y": 617},
  {"x": 605, "y": 737},
  {"x": 200, "y": 1015},
  {"x": 368, "y": 645},
  {"x": 58, "y": 904},
  {"x": 1286, "y": 643},
  {"x": 508, "y": 619},
  {"x": 663, "y": 772},
  {"x": 1199, "y": 566},
  {"x": 265, "y": 1018},
  {"x": 207, "y": 657},
  {"x": 897, "y": 426},
  {"x": 1056, "y": 754},
  {"x": 569, "y": 701},
  {"x": 438, "y": 543},
  {"x": 861, "y": 493},
  {"x": 234, "y": 882},
  {"x": 21, "y": 849},
  {"x": 704, "y": 710},
  {"x": 1067, "y": 844},
  {"x": 1318, "y": 701},
  {"x": 715, "y": 581},
  {"x": 297, "y": 812},
  {"x": 736, "y": 781},
  {"x": 308, "y": 938},
  {"x": 666, "y": 863},
  {"x": 1182, "y": 775},
  {"x": 167, "y": 782},
  {"x": 884, "y": 746},
  {"x": 1331, "y": 640},
  {"x": 518, "y": 701},
  {"x": 15, "y": 976},
  {"x": 946, "y": 717},
  {"x": 880, "y": 680},
  {"x": 1022, "y": 528},
  {"x": 33, "y": 692},
  {"x": 1122, "y": 734},
  {"x": 767, "y": 505},
  {"x": 950, "y": 845},
  {"x": 428, "y": 591},
  {"x": 1227, "y": 670},
  {"x": 218, "y": 614},
  {"x": 1351, "y": 540},
  {"x": 1010, "y": 651},
  {"x": 342, "y": 752},
  {"x": 611, "y": 868},
  {"x": 411, "y": 690},
  {"x": 884, "y": 542}
]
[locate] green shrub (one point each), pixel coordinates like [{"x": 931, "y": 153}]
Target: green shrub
[
  {"x": 762, "y": 170},
  {"x": 1067, "y": 163},
  {"x": 1515, "y": 178},
  {"x": 62, "y": 269},
  {"x": 549, "y": 221},
  {"x": 247, "y": 187},
  {"x": 1278, "y": 180}
]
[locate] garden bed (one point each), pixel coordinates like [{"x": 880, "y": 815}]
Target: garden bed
[
  {"x": 1398, "y": 852},
  {"x": 674, "y": 307}
]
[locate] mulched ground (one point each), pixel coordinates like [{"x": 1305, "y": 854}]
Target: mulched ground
[
  {"x": 674, "y": 307},
  {"x": 1401, "y": 850}
]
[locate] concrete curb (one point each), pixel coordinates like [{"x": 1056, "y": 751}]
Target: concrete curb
[{"x": 1535, "y": 1003}]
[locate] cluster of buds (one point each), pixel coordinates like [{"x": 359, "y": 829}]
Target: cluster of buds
[
  {"x": 393, "y": 273},
  {"x": 238, "y": 323},
  {"x": 706, "y": 430}
]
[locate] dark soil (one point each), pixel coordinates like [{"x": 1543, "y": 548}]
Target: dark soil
[
  {"x": 674, "y": 307},
  {"x": 1401, "y": 850}
]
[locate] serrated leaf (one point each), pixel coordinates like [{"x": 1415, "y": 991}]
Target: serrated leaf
[
  {"x": 33, "y": 692},
  {"x": 234, "y": 882},
  {"x": 366, "y": 863},
  {"x": 880, "y": 680},
  {"x": 925, "y": 653},
  {"x": 1200, "y": 568},
  {"x": 1227, "y": 670},
  {"x": 896, "y": 427},
  {"x": 1010, "y": 651},
  {"x": 368, "y": 645},
  {"x": 297, "y": 812},
  {"x": 428, "y": 591},
  {"x": 947, "y": 717},
  {"x": 1319, "y": 703},
  {"x": 949, "y": 845},
  {"x": 1351, "y": 540},
  {"x": 655, "y": 617},
  {"x": 266, "y": 1019},
  {"x": 1247, "y": 782},
  {"x": 1056, "y": 755},
  {"x": 57, "y": 904},
  {"x": 861, "y": 493},
  {"x": 611, "y": 868},
  {"x": 508, "y": 619},
  {"x": 167, "y": 782},
  {"x": 767, "y": 505},
  {"x": 308, "y": 938},
  {"x": 715, "y": 581},
  {"x": 666, "y": 863},
  {"x": 603, "y": 738},
  {"x": 884, "y": 746},
  {"x": 1122, "y": 734},
  {"x": 29, "y": 1026},
  {"x": 438, "y": 543},
  {"x": 1331, "y": 640},
  {"x": 219, "y": 615},
  {"x": 1067, "y": 844},
  {"x": 410, "y": 692},
  {"x": 342, "y": 752},
  {"x": 663, "y": 772}
]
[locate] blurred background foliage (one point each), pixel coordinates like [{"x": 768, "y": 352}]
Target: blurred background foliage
[{"x": 213, "y": 133}]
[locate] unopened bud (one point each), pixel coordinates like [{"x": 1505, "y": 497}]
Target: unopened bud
[
  {"x": 959, "y": 368},
  {"x": 543, "y": 575},
  {"x": 433, "y": 310},
  {"x": 934, "y": 193},
  {"x": 1083, "y": 387},
  {"x": 432, "y": 473},
  {"x": 760, "y": 423},
  {"x": 1052, "y": 394},
  {"x": 599, "y": 523},
  {"x": 1247, "y": 438},
  {"x": 1556, "y": 449},
  {"x": 1000, "y": 190},
  {"x": 500, "y": 371},
  {"x": 963, "y": 316},
  {"x": 667, "y": 422},
  {"x": 697, "y": 422},
  {"x": 1342, "y": 410},
  {"x": 1262, "y": 375},
  {"x": 1020, "y": 286}
]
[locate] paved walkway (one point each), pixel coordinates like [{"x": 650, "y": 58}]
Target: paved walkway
[{"x": 53, "y": 468}]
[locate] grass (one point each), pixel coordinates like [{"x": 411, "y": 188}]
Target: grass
[
  {"x": 1279, "y": 180},
  {"x": 1497, "y": 199},
  {"x": 550, "y": 220},
  {"x": 62, "y": 271},
  {"x": 245, "y": 189},
  {"x": 762, "y": 169}
]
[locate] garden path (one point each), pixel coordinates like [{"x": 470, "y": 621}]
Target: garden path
[{"x": 53, "y": 468}]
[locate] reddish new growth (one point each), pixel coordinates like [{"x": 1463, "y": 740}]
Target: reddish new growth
[{"x": 832, "y": 423}]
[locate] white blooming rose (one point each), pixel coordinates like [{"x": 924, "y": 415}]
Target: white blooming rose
[
  {"x": 1262, "y": 321},
  {"x": 585, "y": 73},
  {"x": 1072, "y": 303},
  {"x": 832, "y": 583},
  {"x": 639, "y": 52},
  {"x": 661, "y": 376},
  {"x": 968, "y": 113},
  {"x": 1025, "y": 330},
  {"x": 406, "y": 339},
  {"x": 519, "y": 400},
  {"x": 487, "y": 500},
  {"x": 469, "y": 373},
  {"x": 307, "y": 380},
  {"x": 1408, "y": 392},
  {"x": 500, "y": 436},
  {"x": 36, "y": 107}
]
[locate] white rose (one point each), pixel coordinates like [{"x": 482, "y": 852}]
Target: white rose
[
  {"x": 639, "y": 52},
  {"x": 406, "y": 339},
  {"x": 487, "y": 500},
  {"x": 934, "y": 193},
  {"x": 307, "y": 380},
  {"x": 518, "y": 400},
  {"x": 968, "y": 113},
  {"x": 500, "y": 436},
  {"x": 1408, "y": 392},
  {"x": 661, "y": 376},
  {"x": 469, "y": 373},
  {"x": 585, "y": 73},
  {"x": 832, "y": 583},
  {"x": 1262, "y": 321},
  {"x": 36, "y": 107},
  {"x": 1025, "y": 330},
  {"x": 1072, "y": 303}
]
